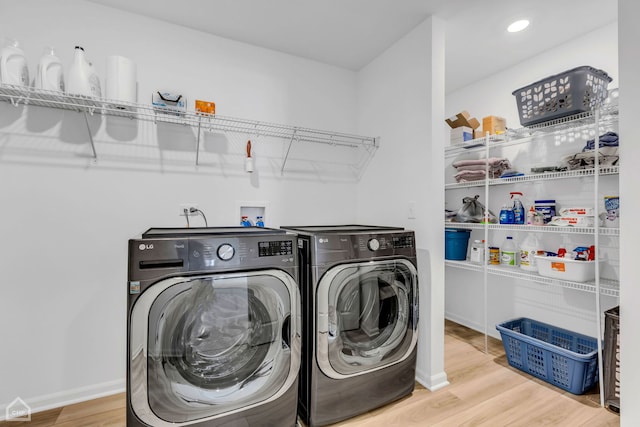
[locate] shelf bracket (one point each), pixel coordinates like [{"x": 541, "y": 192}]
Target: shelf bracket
[
  {"x": 286, "y": 156},
  {"x": 198, "y": 141},
  {"x": 93, "y": 147}
]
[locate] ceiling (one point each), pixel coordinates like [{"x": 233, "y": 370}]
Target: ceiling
[{"x": 351, "y": 33}]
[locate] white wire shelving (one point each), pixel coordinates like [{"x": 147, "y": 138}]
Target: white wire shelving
[
  {"x": 607, "y": 286},
  {"x": 522, "y": 135},
  {"x": 535, "y": 228},
  {"x": 20, "y": 95}
]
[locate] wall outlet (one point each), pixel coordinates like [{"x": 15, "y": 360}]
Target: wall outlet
[
  {"x": 411, "y": 211},
  {"x": 188, "y": 207}
]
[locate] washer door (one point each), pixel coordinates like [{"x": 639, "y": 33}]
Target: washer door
[
  {"x": 366, "y": 316},
  {"x": 207, "y": 346}
]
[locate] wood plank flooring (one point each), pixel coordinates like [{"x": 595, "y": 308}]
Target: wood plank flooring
[{"x": 484, "y": 391}]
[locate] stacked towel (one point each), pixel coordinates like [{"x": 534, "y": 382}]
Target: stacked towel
[
  {"x": 607, "y": 153},
  {"x": 474, "y": 170}
]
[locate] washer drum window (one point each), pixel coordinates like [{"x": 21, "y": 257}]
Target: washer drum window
[{"x": 204, "y": 347}]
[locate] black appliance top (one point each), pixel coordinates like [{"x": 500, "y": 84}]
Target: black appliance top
[
  {"x": 341, "y": 228},
  {"x": 207, "y": 231}
]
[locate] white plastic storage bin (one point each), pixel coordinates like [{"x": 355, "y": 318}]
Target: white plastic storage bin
[{"x": 566, "y": 268}]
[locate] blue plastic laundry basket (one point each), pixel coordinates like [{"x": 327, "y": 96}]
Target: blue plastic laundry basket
[{"x": 560, "y": 357}]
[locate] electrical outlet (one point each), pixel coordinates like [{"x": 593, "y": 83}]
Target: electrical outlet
[
  {"x": 188, "y": 207},
  {"x": 411, "y": 214}
]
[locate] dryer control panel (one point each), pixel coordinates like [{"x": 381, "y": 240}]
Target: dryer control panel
[{"x": 335, "y": 247}]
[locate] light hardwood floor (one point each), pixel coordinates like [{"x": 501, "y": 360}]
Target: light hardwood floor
[{"x": 484, "y": 391}]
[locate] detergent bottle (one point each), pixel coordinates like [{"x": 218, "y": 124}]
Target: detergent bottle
[
  {"x": 83, "y": 79},
  {"x": 259, "y": 221},
  {"x": 509, "y": 253},
  {"x": 518, "y": 208},
  {"x": 528, "y": 251},
  {"x": 13, "y": 64},
  {"x": 49, "y": 73},
  {"x": 506, "y": 215}
]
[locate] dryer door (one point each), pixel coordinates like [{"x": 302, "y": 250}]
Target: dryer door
[
  {"x": 366, "y": 316},
  {"x": 207, "y": 346}
]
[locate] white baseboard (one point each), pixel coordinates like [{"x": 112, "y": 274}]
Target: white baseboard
[
  {"x": 69, "y": 397},
  {"x": 492, "y": 332},
  {"x": 433, "y": 382}
]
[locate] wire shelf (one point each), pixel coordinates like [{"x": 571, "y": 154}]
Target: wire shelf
[
  {"x": 534, "y": 228},
  {"x": 608, "y": 114},
  {"x": 546, "y": 176},
  {"x": 212, "y": 122},
  {"x": 607, "y": 286}
]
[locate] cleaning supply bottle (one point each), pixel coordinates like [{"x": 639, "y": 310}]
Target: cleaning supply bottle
[
  {"x": 506, "y": 215},
  {"x": 259, "y": 221},
  {"x": 13, "y": 64},
  {"x": 82, "y": 79},
  {"x": 518, "y": 208},
  {"x": 509, "y": 253},
  {"x": 49, "y": 73},
  {"x": 531, "y": 215},
  {"x": 245, "y": 221},
  {"x": 528, "y": 251},
  {"x": 476, "y": 255}
]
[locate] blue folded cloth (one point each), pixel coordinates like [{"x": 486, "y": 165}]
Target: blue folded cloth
[{"x": 609, "y": 139}]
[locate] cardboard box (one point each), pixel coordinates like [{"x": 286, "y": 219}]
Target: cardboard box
[
  {"x": 463, "y": 119},
  {"x": 461, "y": 134},
  {"x": 206, "y": 107},
  {"x": 494, "y": 125}
]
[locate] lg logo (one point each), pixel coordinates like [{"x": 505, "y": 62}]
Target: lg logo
[{"x": 142, "y": 246}]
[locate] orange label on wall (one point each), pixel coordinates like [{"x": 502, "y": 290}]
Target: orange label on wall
[{"x": 557, "y": 266}]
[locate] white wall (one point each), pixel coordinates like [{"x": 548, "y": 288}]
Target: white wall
[
  {"x": 629, "y": 34},
  {"x": 508, "y": 298},
  {"x": 399, "y": 94},
  {"x": 492, "y": 96},
  {"x": 65, "y": 221}
]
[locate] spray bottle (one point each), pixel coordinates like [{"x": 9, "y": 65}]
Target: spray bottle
[{"x": 518, "y": 208}]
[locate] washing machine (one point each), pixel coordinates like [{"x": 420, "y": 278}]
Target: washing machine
[
  {"x": 359, "y": 289},
  {"x": 213, "y": 328}
]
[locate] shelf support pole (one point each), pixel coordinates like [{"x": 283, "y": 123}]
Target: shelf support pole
[
  {"x": 286, "y": 156},
  {"x": 93, "y": 147},
  {"x": 198, "y": 141}
]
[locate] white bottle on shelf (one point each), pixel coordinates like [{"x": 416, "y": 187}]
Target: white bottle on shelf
[
  {"x": 49, "y": 74},
  {"x": 82, "y": 79},
  {"x": 13, "y": 64},
  {"x": 528, "y": 250},
  {"x": 476, "y": 255},
  {"x": 509, "y": 254}
]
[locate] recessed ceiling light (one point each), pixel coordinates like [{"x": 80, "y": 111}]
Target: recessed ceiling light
[{"x": 518, "y": 26}]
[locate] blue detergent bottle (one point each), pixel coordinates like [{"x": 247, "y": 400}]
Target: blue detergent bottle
[
  {"x": 506, "y": 215},
  {"x": 518, "y": 208},
  {"x": 245, "y": 221},
  {"x": 259, "y": 221}
]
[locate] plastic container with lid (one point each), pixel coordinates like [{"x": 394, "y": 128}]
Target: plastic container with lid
[
  {"x": 82, "y": 78},
  {"x": 49, "y": 73},
  {"x": 547, "y": 208},
  {"x": 509, "y": 253},
  {"x": 259, "y": 221},
  {"x": 245, "y": 221}
]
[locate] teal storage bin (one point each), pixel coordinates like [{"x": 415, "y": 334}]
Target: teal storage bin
[{"x": 456, "y": 241}]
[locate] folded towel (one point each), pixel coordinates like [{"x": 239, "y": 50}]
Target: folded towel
[{"x": 609, "y": 139}]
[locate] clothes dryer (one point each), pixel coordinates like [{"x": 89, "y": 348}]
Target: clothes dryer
[
  {"x": 213, "y": 328},
  {"x": 359, "y": 288}
]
